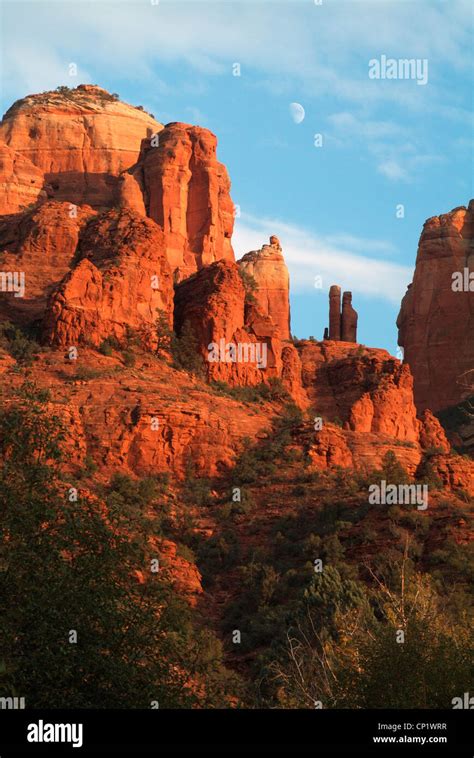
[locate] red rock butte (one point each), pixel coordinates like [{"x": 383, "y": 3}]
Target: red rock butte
[{"x": 114, "y": 219}]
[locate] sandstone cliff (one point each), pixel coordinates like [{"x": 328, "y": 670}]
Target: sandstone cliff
[
  {"x": 187, "y": 192},
  {"x": 268, "y": 269},
  {"x": 41, "y": 244},
  {"x": 21, "y": 182},
  {"x": 436, "y": 322},
  {"x": 81, "y": 139},
  {"x": 120, "y": 282}
]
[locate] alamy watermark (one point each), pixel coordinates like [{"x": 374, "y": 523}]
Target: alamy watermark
[
  {"x": 238, "y": 352},
  {"x": 399, "y": 494},
  {"x": 13, "y": 281},
  {"x": 399, "y": 68},
  {"x": 462, "y": 281}
]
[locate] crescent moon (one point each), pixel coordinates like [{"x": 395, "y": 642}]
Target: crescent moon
[{"x": 297, "y": 112}]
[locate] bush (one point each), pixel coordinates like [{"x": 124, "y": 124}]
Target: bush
[
  {"x": 270, "y": 391},
  {"x": 86, "y": 374},
  {"x": 250, "y": 286},
  {"x": 163, "y": 333},
  {"x": 108, "y": 345},
  {"x": 185, "y": 351},
  {"x": 129, "y": 359},
  {"x": 18, "y": 344}
]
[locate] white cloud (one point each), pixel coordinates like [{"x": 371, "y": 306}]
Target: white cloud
[
  {"x": 393, "y": 146},
  {"x": 323, "y": 50},
  {"x": 392, "y": 170},
  {"x": 335, "y": 259}
]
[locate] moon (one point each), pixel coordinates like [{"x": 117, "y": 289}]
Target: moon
[{"x": 297, "y": 112}]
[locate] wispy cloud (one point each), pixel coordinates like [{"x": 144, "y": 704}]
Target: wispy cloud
[
  {"x": 333, "y": 258},
  {"x": 393, "y": 147},
  {"x": 324, "y": 50}
]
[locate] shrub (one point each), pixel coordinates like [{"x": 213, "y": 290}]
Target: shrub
[
  {"x": 163, "y": 333},
  {"x": 108, "y": 345},
  {"x": 250, "y": 286},
  {"x": 85, "y": 373},
  {"x": 129, "y": 359},
  {"x": 185, "y": 351},
  {"x": 18, "y": 344}
]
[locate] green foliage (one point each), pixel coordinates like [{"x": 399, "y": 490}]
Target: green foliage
[
  {"x": 70, "y": 565},
  {"x": 129, "y": 359},
  {"x": 185, "y": 351},
  {"x": 108, "y": 346},
  {"x": 392, "y": 470},
  {"x": 196, "y": 489},
  {"x": 250, "y": 286},
  {"x": 18, "y": 344},
  {"x": 220, "y": 552},
  {"x": 270, "y": 391},
  {"x": 350, "y": 653},
  {"x": 86, "y": 373},
  {"x": 425, "y": 472},
  {"x": 163, "y": 333}
]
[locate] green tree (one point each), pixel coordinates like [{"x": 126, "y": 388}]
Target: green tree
[
  {"x": 71, "y": 566},
  {"x": 163, "y": 333}
]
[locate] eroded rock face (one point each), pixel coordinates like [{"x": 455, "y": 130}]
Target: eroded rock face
[
  {"x": 81, "y": 139},
  {"x": 432, "y": 435},
  {"x": 348, "y": 319},
  {"x": 435, "y": 323},
  {"x": 334, "y": 312},
  {"x": 268, "y": 269},
  {"x": 342, "y": 324},
  {"x": 239, "y": 344},
  {"x": 21, "y": 182},
  {"x": 364, "y": 389},
  {"x": 41, "y": 245},
  {"x": 187, "y": 192},
  {"x": 119, "y": 283}
]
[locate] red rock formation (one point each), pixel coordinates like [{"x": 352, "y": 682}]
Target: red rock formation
[
  {"x": 435, "y": 322},
  {"x": 455, "y": 472},
  {"x": 21, "y": 182},
  {"x": 144, "y": 420},
  {"x": 432, "y": 435},
  {"x": 187, "y": 193},
  {"x": 213, "y": 302},
  {"x": 268, "y": 269},
  {"x": 121, "y": 281},
  {"x": 342, "y": 325},
  {"x": 41, "y": 244},
  {"x": 335, "y": 312},
  {"x": 81, "y": 139},
  {"x": 348, "y": 319}
]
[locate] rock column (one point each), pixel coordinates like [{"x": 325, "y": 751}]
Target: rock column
[
  {"x": 335, "y": 313},
  {"x": 348, "y": 319}
]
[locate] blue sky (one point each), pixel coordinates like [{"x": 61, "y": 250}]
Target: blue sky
[{"x": 384, "y": 142}]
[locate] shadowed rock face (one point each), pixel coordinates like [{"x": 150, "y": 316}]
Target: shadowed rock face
[
  {"x": 335, "y": 312},
  {"x": 436, "y": 323},
  {"x": 41, "y": 243},
  {"x": 348, "y": 319},
  {"x": 80, "y": 139},
  {"x": 272, "y": 293}
]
